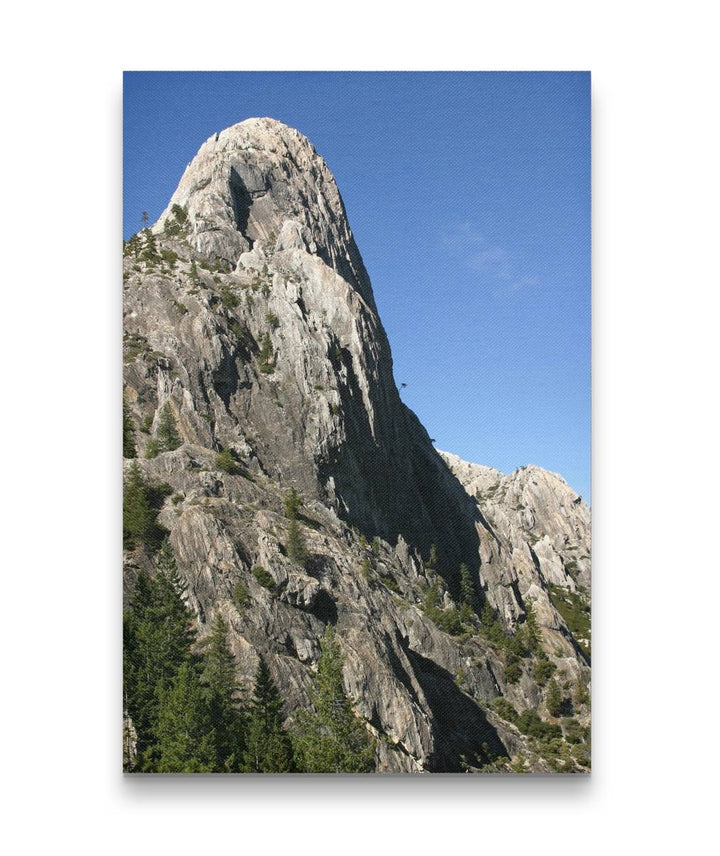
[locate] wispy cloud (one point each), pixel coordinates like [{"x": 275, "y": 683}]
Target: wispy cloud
[{"x": 496, "y": 264}]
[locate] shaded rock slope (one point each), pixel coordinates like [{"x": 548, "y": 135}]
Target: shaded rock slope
[{"x": 249, "y": 316}]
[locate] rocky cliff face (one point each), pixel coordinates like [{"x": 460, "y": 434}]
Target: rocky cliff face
[{"x": 249, "y": 316}]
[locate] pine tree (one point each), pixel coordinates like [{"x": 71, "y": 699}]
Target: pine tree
[
  {"x": 157, "y": 639},
  {"x": 167, "y": 433},
  {"x": 331, "y": 738},
  {"x": 139, "y": 518},
  {"x": 150, "y": 250},
  {"x": 185, "y": 736},
  {"x": 468, "y": 595},
  {"x": 531, "y": 631},
  {"x": 129, "y": 448},
  {"x": 296, "y": 549},
  {"x": 226, "y": 462},
  {"x": 581, "y": 695},
  {"x": 269, "y": 749},
  {"x": 266, "y": 353},
  {"x": 293, "y": 502},
  {"x": 554, "y": 699},
  {"x": 221, "y": 689}
]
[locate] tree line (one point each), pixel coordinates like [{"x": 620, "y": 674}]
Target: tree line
[{"x": 185, "y": 713}]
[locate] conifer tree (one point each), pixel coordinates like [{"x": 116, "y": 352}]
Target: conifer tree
[
  {"x": 185, "y": 735},
  {"x": 581, "y": 694},
  {"x": 129, "y": 448},
  {"x": 468, "y": 594},
  {"x": 221, "y": 689},
  {"x": 293, "y": 502},
  {"x": 296, "y": 549},
  {"x": 150, "y": 250},
  {"x": 139, "y": 518},
  {"x": 269, "y": 749},
  {"x": 331, "y": 738},
  {"x": 554, "y": 699},
  {"x": 167, "y": 433},
  {"x": 157, "y": 639},
  {"x": 531, "y": 631},
  {"x": 266, "y": 353}
]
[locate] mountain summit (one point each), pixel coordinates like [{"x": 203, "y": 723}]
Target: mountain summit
[
  {"x": 260, "y": 403},
  {"x": 261, "y": 178}
]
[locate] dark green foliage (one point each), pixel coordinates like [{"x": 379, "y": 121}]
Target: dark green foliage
[
  {"x": 157, "y": 640},
  {"x": 167, "y": 433},
  {"x": 575, "y": 610},
  {"x": 446, "y": 619},
  {"x": 531, "y": 632},
  {"x": 581, "y": 695},
  {"x": 513, "y": 672},
  {"x": 366, "y": 569},
  {"x": 295, "y": 546},
  {"x": 554, "y": 699},
  {"x": 169, "y": 256},
  {"x": 263, "y": 577},
  {"x": 180, "y": 213},
  {"x": 226, "y": 462},
  {"x": 131, "y": 247},
  {"x": 574, "y": 732},
  {"x": 544, "y": 670},
  {"x": 504, "y": 709},
  {"x": 432, "y": 561},
  {"x": 266, "y": 354},
  {"x": 150, "y": 251},
  {"x": 221, "y": 689},
  {"x": 331, "y": 738},
  {"x": 228, "y": 298},
  {"x": 494, "y": 631},
  {"x": 176, "y": 224},
  {"x": 530, "y": 723},
  {"x": 152, "y": 448},
  {"x": 147, "y": 423},
  {"x": 468, "y": 594},
  {"x": 128, "y": 438},
  {"x": 269, "y": 749},
  {"x": 184, "y": 712},
  {"x": 389, "y": 582},
  {"x": 272, "y": 321},
  {"x": 293, "y": 503},
  {"x": 241, "y": 595},
  {"x": 139, "y": 517},
  {"x": 241, "y": 333},
  {"x": 185, "y": 736}
]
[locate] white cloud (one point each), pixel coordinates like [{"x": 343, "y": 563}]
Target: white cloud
[{"x": 493, "y": 262}]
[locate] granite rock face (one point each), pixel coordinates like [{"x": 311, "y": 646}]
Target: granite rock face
[{"x": 248, "y": 314}]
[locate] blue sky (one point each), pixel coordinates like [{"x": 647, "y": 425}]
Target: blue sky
[{"x": 469, "y": 198}]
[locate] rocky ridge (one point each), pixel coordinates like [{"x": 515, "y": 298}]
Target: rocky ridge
[{"x": 250, "y": 316}]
